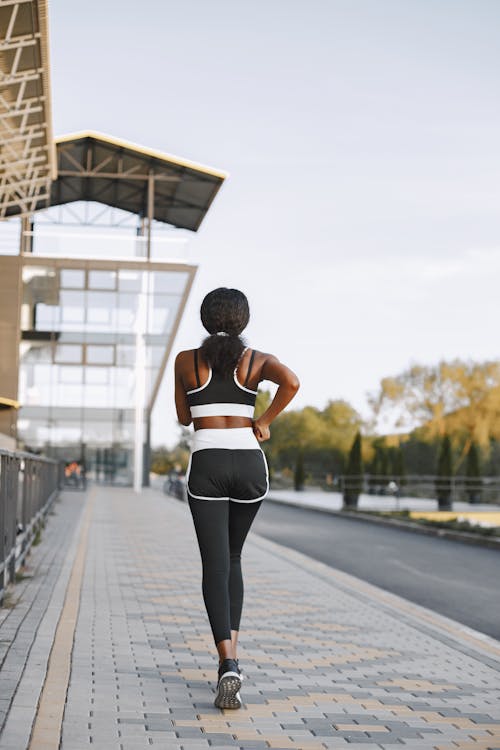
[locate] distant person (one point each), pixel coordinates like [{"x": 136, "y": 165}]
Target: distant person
[
  {"x": 72, "y": 473},
  {"x": 393, "y": 488},
  {"x": 227, "y": 478},
  {"x": 83, "y": 476}
]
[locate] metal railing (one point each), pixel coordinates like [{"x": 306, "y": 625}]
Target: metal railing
[
  {"x": 28, "y": 486},
  {"x": 458, "y": 488}
]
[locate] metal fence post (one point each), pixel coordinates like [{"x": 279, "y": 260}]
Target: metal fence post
[{"x": 10, "y": 517}]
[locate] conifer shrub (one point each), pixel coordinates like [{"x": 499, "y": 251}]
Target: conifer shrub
[
  {"x": 299, "y": 473},
  {"x": 473, "y": 475},
  {"x": 444, "y": 474},
  {"x": 353, "y": 478}
]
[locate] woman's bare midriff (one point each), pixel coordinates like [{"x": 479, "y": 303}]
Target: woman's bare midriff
[{"x": 216, "y": 423}]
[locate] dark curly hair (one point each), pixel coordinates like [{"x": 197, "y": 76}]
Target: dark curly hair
[{"x": 224, "y": 311}]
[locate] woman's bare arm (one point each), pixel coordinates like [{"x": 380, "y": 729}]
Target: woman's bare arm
[
  {"x": 181, "y": 404},
  {"x": 288, "y": 385}
]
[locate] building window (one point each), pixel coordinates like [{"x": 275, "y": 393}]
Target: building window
[
  {"x": 102, "y": 279},
  {"x": 72, "y": 278},
  {"x": 100, "y": 355},
  {"x": 72, "y": 305},
  {"x": 68, "y": 354}
]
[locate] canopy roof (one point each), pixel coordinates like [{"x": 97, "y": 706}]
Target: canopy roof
[
  {"x": 96, "y": 167},
  {"x": 27, "y": 161}
]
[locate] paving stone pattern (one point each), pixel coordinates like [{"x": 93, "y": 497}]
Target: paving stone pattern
[
  {"x": 324, "y": 666},
  {"x": 27, "y": 622}
]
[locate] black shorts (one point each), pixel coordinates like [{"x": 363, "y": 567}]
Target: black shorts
[{"x": 219, "y": 472}]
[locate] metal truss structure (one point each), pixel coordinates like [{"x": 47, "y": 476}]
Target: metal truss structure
[
  {"x": 98, "y": 169},
  {"x": 94, "y": 167},
  {"x": 27, "y": 158},
  {"x": 91, "y": 214}
]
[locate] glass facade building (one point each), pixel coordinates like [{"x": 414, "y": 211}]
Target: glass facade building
[
  {"x": 94, "y": 341},
  {"x": 91, "y": 296}
]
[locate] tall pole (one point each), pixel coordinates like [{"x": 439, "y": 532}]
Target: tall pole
[
  {"x": 140, "y": 381},
  {"x": 140, "y": 351},
  {"x": 151, "y": 210},
  {"x": 147, "y": 451}
]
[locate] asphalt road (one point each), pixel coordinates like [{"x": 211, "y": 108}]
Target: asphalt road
[{"x": 455, "y": 579}]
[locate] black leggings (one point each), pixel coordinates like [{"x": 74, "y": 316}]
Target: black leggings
[{"x": 221, "y": 527}]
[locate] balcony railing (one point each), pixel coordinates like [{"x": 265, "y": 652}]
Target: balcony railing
[{"x": 173, "y": 247}]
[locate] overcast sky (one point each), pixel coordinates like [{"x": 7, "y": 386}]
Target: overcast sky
[{"x": 362, "y": 211}]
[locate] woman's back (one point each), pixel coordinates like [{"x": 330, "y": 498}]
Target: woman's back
[
  {"x": 247, "y": 368},
  {"x": 220, "y": 395},
  {"x": 213, "y": 400}
]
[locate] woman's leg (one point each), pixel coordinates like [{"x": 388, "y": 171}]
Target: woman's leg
[
  {"x": 241, "y": 516},
  {"x": 211, "y": 522}
]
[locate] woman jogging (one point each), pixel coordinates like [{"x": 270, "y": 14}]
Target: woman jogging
[{"x": 227, "y": 478}]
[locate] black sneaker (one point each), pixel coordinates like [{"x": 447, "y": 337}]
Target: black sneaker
[{"x": 228, "y": 685}]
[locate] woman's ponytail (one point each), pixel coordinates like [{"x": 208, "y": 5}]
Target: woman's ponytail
[{"x": 225, "y": 314}]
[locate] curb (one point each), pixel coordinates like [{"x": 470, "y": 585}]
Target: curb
[{"x": 457, "y": 536}]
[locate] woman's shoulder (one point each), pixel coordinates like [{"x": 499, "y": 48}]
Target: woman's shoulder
[
  {"x": 258, "y": 352},
  {"x": 184, "y": 357},
  {"x": 261, "y": 356},
  {"x": 185, "y": 353},
  {"x": 261, "y": 362}
]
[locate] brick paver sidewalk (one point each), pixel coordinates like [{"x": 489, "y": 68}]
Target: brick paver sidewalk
[{"x": 329, "y": 661}]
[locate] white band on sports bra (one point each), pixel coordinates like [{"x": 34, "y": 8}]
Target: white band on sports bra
[{"x": 222, "y": 410}]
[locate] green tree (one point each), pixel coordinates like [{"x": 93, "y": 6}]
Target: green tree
[
  {"x": 458, "y": 397},
  {"x": 444, "y": 474},
  {"x": 160, "y": 461},
  {"x": 473, "y": 474},
  {"x": 420, "y": 454},
  {"x": 324, "y": 436},
  {"x": 163, "y": 460},
  {"x": 353, "y": 478}
]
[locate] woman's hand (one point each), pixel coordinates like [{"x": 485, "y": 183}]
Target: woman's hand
[{"x": 261, "y": 430}]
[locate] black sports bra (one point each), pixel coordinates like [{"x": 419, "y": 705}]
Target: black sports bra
[{"x": 222, "y": 397}]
